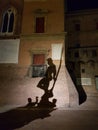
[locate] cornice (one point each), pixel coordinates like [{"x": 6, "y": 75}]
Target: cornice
[
  {"x": 43, "y": 36},
  {"x": 82, "y": 12},
  {"x": 33, "y": 0}
]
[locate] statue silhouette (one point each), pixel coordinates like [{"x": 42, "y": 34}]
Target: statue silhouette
[{"x": 49, "y": 75}]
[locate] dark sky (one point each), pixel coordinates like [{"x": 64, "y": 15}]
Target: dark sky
[{"x": 81, "y": 4}]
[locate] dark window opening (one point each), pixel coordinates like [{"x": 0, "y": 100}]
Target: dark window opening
[
  {"x": 94, "y": 53},
  {"x": 97, "y": 25},
  {"x": 40, "y": 25},
  {"x": 76, "y": 54},
  {"x": 77, "y": 45},
  {"x": 83, "y": 70},
  {"x": 11, "y": 23},
  {"x": 77, "y": 27},
  {"x": 8, "y": 21},
  {"x": 5, "y": 23}
]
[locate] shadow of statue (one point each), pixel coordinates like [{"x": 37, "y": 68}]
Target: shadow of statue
[
  {"x": 21, "y": 116},
  {"x": 49, "y": 75},
  {"x": 44, "y": 84},
  {"x": 45, "y": 103},
  {"x": 74, "y": 74},
  {"x": 18, "y": 117}
]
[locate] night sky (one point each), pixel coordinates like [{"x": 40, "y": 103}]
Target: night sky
[{"x": 81, "y": 4}]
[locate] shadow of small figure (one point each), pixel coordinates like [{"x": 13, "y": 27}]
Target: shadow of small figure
[{"x": 32, "y": 104}]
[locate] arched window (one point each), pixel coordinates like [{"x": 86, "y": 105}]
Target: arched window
[
  {"x": 8, "y": 21},
  {"x": 11, "y": 23}
]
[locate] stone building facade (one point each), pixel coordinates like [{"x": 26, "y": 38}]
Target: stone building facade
[
  {"x": 34, "y": 28},
  {"x": 82, "y": 38},
  {"x": 41, "y": 35},
  {"x": 32, "y": 31},
  {"x": 10, "y": 32}
]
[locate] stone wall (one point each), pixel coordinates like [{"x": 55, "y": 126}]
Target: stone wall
[{"x": 10, "y": 71}]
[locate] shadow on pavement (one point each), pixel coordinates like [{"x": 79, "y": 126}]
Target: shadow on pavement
[{"x": 21, "y": 116}]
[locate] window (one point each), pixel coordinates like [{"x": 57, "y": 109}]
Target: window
[
  {"x": 76, "y": 54},
  {"x": 40, "y": 25},
  {"x": 77, "y": 27},
  {"x": 83, "y": 70},
  {"x": 56, "y": 51},
  {"x": 39, "y": 67},
  {"x": 94, "y": 53},
  {"x": 77, "y": 45},
  {"x": 8, "y": 21},
  {"x": 84, "y": 81},
  {"x": 38, "y": 59},
  {"x": 97, "y": 25},
  {"x": 9, "y": 51}
]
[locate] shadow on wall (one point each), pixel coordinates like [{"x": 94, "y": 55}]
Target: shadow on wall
[
  {"x": 75, "y": 72},
  {"x": 21, "y": 116}
]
